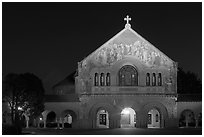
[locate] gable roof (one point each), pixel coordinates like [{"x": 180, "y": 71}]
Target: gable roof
[
  {"x": 69, "y": 80},
  {"x": 127, "y": 35}
]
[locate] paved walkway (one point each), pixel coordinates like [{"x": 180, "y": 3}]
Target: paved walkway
[{"x": 118, "y": 131}]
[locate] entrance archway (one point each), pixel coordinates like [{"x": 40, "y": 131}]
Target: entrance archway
[
  {"x": 187, "y": 119},
  {"x": 68, "y": 121},
  {"x": 128, "y": 118},
  {"x": 154, "y": 119},
  {"x": 162, "y": 116},
  {"x": 51, "y": 120},
  {"x": 68, "y": 117},
  {"x": 128, "y": 76},
  {"x": 102, "y": 119},
  {"x": 51, "y": 117}
]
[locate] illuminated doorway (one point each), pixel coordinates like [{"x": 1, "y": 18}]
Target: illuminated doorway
[
  {"x": 68, "y": 117},
  {"x": 68, "y": 121},
  {"x": 154, "y": 119},
  {"x": 128, "y": 118}
]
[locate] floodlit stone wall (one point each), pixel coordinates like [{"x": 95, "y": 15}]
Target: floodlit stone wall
[{"x": 86, "y": 110}]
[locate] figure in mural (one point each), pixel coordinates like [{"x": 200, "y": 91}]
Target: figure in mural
[{"x": 108, "y": 55}]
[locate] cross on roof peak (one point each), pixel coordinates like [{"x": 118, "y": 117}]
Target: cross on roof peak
[
  {"x": 127, "y": 25},
  {"x": 127, "y": 19}
]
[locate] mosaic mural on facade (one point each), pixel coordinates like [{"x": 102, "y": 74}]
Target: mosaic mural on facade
[{"x": 110, "y": 54}]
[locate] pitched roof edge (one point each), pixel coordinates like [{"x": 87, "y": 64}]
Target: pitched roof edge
[
  {"x": 103, "y": 45},
  {"x": 137, "y": 34},
  {"x": 150, "y": 44}
]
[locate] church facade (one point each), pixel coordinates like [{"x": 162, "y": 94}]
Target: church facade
[{"x": 126, "y": 82}]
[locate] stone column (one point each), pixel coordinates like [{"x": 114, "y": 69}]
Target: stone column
[
  {"x": 62, "y": 122},
  {"x": 44, "y": 123},
  {"x": 57, "y": 120},
  {"x": 27, "y": 120},
  {"x": 38, "y": 124},
  {"x": 186, "y": 122},
  {"x": 196, "y": 122},
  {"x": 44, "y": 114},
  {"x": 27, "y": 123}
]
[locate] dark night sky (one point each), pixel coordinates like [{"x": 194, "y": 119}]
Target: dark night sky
[{"x": 48, "y": 39}]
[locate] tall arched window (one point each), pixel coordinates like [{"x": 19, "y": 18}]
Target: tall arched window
[
  {"x": 153, "y": 79},
  {"x": 128, "y": 76},
  {"x": 102, "y": 79},
  {"x": 159, "y": 79},
  {"x": 96, "y": 79},
  {"x": 108, "y": 79},
  {"x": 148, "y": 79}
]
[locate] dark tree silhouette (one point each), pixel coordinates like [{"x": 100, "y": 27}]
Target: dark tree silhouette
[
  {"x": 24, "y": 91},
  {"x": 188, "y": 83}
]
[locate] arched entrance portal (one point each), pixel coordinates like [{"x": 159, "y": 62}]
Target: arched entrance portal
[
  {"x": 128, "y": 76},
  {"x": 187, "y": 119},
  {"x": 128, "y": 118},
  {"x": 68, "y": 117},
  {"x": 51, "y": 120},
  {"x": 51, "y": 117},
  {"x": 68, "y": 121},
  {"x": 154, "y": 119},
  {"x": 102, "y": 120}
]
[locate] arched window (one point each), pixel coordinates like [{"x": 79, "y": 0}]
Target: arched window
[
  {"x": 96, "y": 79},
  {"x": 153, "y": 79},
  {"x": 148, "y": 79},
  {"x": 108, "y": 79},
  {"x": 159, "y": 79},
  {"x": 102, "y": 81},
  {"x": 128, "y": 76}
]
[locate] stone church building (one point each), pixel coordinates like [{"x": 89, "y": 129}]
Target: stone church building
[{"x": 126, "y": 82}]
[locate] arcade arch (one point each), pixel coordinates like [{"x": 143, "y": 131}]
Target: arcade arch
[
  {"x": 187, "y": 119},
  {"x": 153, "y": 119},
  {"x": 68, "y": 117},
  {"x": 156, "y": 111},
  {"x": 103, "y": 111},
  {"x": 128, "y": 118}
]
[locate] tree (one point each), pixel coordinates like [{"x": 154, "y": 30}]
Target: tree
[
  {"x": 188, "y": 83},
  {"x": 24, "y": 94}
]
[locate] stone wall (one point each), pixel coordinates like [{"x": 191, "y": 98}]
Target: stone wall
[{"x": 87, "y": 109}]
